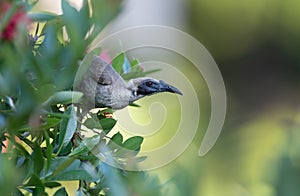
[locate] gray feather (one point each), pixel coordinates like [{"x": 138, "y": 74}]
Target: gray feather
[{"x": 104, "y": 87}]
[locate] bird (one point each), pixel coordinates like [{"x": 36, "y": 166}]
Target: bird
[{"x": 102, "y": 86}]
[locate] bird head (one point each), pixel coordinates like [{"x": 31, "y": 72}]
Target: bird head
[{"x": 145, "y": 86}]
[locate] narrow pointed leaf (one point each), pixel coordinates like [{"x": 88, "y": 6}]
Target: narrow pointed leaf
[
  {"x": 52, "y": 184},
  {"x": 118, "y": 62},
  {"x": 42, "y": 16},
  {"x": 38, "y": 158},
  {"x": 86, "y": 145},
  {"x": 49, "y": 149},
  {"x": 64, "y": 97},
  {"x": 67, "y": 127}
]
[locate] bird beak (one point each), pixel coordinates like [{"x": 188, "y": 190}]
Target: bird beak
[{"x": 164, "y": 87}]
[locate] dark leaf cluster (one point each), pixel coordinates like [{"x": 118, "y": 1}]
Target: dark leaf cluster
[{"x": 41, "y": 129}]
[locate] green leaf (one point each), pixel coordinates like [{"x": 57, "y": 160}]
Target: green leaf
[
  {"x": 49, "y": 149},
  {"x": 84, "y": 12},
  {"x": 61, "y": 192},
  {"x": 118, "y": 62},
  {"x": 135, "y": 74},
  {"x": 60, "y": 164},
  {"x": 133, "y": 143},
  {"x": 134, "y": 105},
  {"x": 68, "y": 11},
  {"x": 64, "y": 97},
  {"x": 103, "y": 11},
  {"x": 130, "y": 147},
  {"x": 78, "y": 30},
  {"x": 49, "y": 123},
  {"x": 116, "y": 141},
  {"x": 134, "y": 63},
  {"x": 66, "y": 149},
  {"x": 42, "y": 16},
  {"x": 92, "y": 123},
  {"x": 86, "y": 145},
  {"x": 34, "y": 181},
  {"x": 45, "y": 91},
  {"x": 80, "y": 150},
  {"x": 52, "y": 184},
  {"x": 78, "y": 174},
  {"x": 150, "y": 72},
  {"x": 39, "y": 191},
  {"x": 94, "y": 191},
  {"x": 107, "y": 124},
  {"x": 50, "y": 49},
  {"x": 38, "y": 158},
  {"x": 131, "y": 75},
  {"x": 68, "y": 127},
  {"x": 18, "y": 193}
]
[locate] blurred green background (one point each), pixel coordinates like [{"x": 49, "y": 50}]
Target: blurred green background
[{"x": 256, "y": 46}]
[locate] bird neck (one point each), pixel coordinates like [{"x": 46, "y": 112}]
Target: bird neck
[
  {"x": 132, "y": 88},
  {"x": 134, "y": 96}
]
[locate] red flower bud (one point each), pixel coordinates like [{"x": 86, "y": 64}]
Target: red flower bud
[{"x": 10, "y": 29}]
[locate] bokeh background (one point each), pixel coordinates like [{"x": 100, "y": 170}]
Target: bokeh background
[{"x": 256, "y": 46}]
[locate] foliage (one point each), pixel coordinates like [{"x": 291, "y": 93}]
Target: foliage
[{"x": 40, "y": 123}]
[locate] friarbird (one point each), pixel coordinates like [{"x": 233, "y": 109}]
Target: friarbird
[{"x": 104, "y": 87}]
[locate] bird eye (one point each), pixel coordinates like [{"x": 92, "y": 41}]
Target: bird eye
[{"x": 149, "y": 83}]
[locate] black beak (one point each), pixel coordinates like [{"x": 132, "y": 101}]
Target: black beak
[{"x": 164, "y": 87}]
